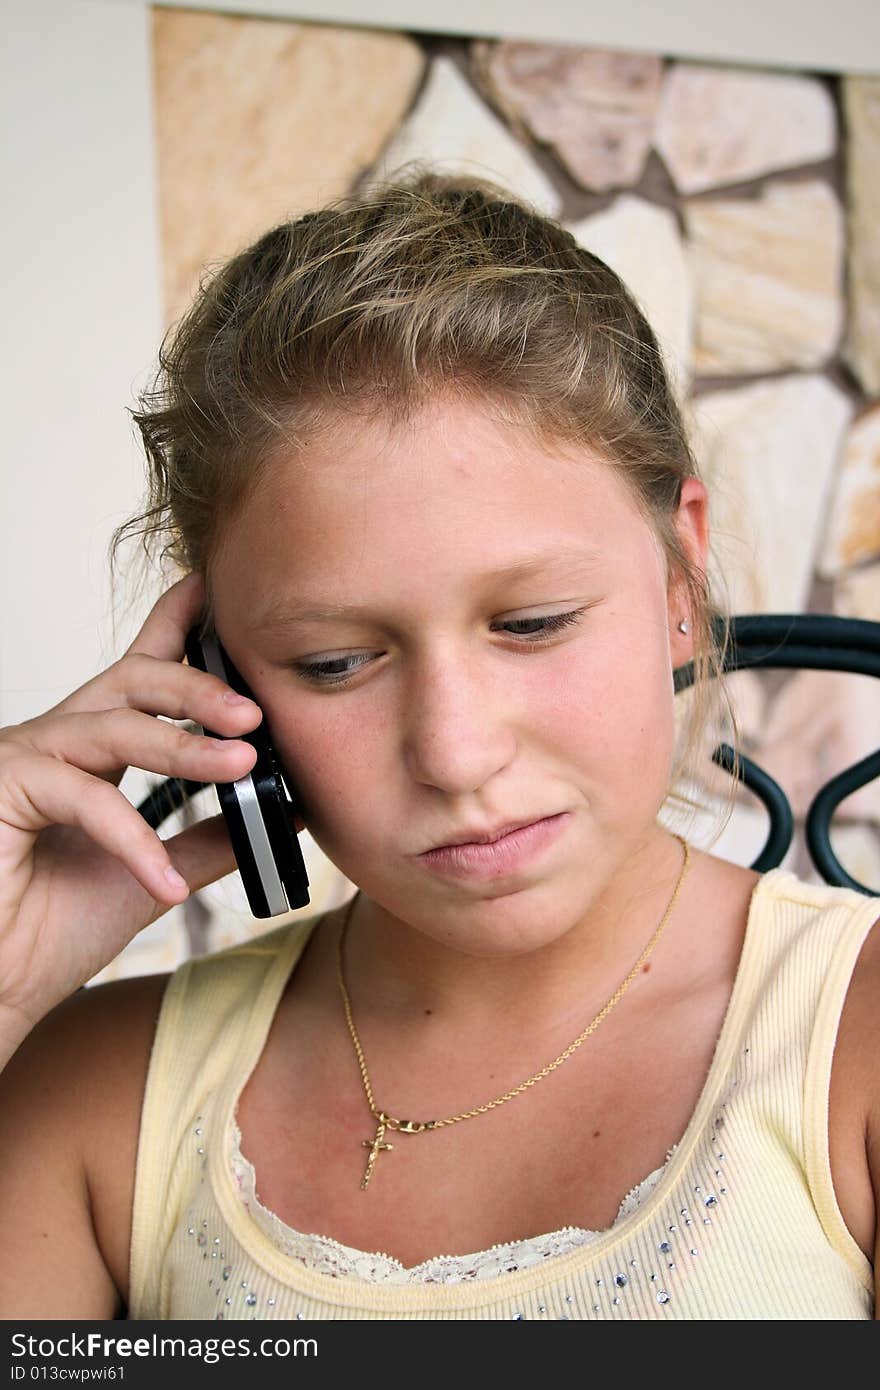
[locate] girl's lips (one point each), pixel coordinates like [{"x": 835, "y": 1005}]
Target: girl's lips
[{"x": 499, "y": 858}]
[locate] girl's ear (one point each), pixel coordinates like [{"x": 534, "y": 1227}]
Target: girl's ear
[{"x": 691, "y": 522}]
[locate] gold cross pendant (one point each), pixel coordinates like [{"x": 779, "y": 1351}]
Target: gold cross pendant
[{"x": 374, "y": 1145}]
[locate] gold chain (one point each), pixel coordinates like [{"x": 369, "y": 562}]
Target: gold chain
[{"x": 386, "y": 1122}]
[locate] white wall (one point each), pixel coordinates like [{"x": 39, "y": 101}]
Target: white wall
[{"x": 81, "y": 326}]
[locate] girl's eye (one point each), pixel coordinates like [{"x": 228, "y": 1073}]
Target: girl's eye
[
  {"x": 339, "y": 669},
  {"x": 536, "y": 628},
  {"x": 334, "y": 672}
]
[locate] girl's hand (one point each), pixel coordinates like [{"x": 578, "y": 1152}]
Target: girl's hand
[{"x": 81, "y": 872}]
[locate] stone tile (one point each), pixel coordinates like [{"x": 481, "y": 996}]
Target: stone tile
[
  {"x": 853, "y": 531},
  {"x": 158, "y": 949},
  {"x": 594, "y": 107},
  {"x": 821, "y": 723},
  {"x": 768, "y": 276},
  {"x": 748, "y": 696},
  {"x": 718, "y": 125},
  {"x": 861, "y": 97},
  {"x": 455, "y": 131},
  {"x": 738, "y": 839},
  {"x": 259, "y": 120},
  {"x": 660, "y": 282},
  {"x": 857, "y": 594},
  {"x": 703, "y": 779},
  {"x": 857, "y": 848},
  {"x": 768, "y": 452}
]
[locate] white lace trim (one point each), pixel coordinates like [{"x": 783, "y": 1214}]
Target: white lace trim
[{"x": 323, "y": 1255}]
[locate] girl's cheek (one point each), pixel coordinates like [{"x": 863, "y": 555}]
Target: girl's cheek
[{"x": 331, "y": 763}]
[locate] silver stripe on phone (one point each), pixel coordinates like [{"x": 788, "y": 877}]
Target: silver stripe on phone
[{"x": 246, "y": 796}]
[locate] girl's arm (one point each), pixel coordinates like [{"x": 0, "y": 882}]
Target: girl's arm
[
  {"x": 70, "y": 1104},
  {"x": 869, "y": 1051},
  {"x": 854, "y": 1108}
]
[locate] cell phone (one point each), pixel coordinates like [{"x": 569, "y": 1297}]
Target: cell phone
[{"x": 258, "y": 808}]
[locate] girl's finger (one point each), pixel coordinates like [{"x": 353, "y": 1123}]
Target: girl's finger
[
  {"x": 165, "y": 688},
  {"x": 170, "y": 619},
  {"x": 203, "y": 852},
  {"x": 39, "y": 792},
  {"x": 162, "y": 638},
  {"x": 106, "y": 741}
]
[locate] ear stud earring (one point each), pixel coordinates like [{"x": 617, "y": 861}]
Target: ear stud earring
[{"x": 684, "y": 626}]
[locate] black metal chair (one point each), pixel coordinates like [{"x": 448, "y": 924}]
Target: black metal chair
[
  {"x": 806, "y": 641},
  {"x": 764, "y": 640}
]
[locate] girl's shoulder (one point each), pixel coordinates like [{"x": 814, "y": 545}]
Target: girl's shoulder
[
  {"x": 782, "y": 907},
  {"x": 71, "y": 1104},
  {"x": 854, "y": 1093},
  {"x": 809, "y": 959},
  {"x": 70, "y": 1098},
  {"x": 93, "y": 1047}
]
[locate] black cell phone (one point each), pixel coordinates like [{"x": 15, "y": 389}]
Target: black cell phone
[{"x": 258, "y": 808}]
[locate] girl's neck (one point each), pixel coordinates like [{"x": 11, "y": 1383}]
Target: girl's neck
[{"x": 395, "y": 971}]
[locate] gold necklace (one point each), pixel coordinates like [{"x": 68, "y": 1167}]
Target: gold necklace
[{"x": 385, "y": 1122}]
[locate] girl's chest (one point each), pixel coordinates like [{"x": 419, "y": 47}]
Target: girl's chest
[{"x": 563, "y": 1153}]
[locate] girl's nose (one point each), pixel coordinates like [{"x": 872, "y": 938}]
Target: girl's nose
[{"x": 458, "y": 730}]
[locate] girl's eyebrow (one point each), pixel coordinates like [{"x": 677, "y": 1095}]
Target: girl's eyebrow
[{"x": 284, "y": 612}]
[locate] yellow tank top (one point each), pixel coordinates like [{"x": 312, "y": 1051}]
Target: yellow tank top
[{"x": 742, "y": 1224}]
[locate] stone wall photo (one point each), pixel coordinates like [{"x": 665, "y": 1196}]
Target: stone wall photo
[{"x": 741, "y": 208}]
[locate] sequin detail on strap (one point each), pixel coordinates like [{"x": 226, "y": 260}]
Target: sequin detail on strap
[{"x": 323, "y": 1255}]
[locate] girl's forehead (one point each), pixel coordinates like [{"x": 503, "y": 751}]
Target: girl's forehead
[
  {"x": 450, "y": 458},
  {"x": 434, "y": 509}
]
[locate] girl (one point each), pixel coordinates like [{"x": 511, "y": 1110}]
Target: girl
[{"x": 418, "y": 461}]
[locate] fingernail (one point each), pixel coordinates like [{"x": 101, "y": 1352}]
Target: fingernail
[
  {"x": 232, "y": 697},
  {"x": 175, "y": 879}
]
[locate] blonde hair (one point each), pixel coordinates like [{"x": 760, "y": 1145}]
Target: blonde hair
[{"x": 424, "y": 285}]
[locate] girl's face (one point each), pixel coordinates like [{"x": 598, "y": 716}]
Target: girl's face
[{"x": 451, "y": 631}]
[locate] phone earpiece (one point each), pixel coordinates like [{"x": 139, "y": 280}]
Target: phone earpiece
[{"x": 258, "y": 808}]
